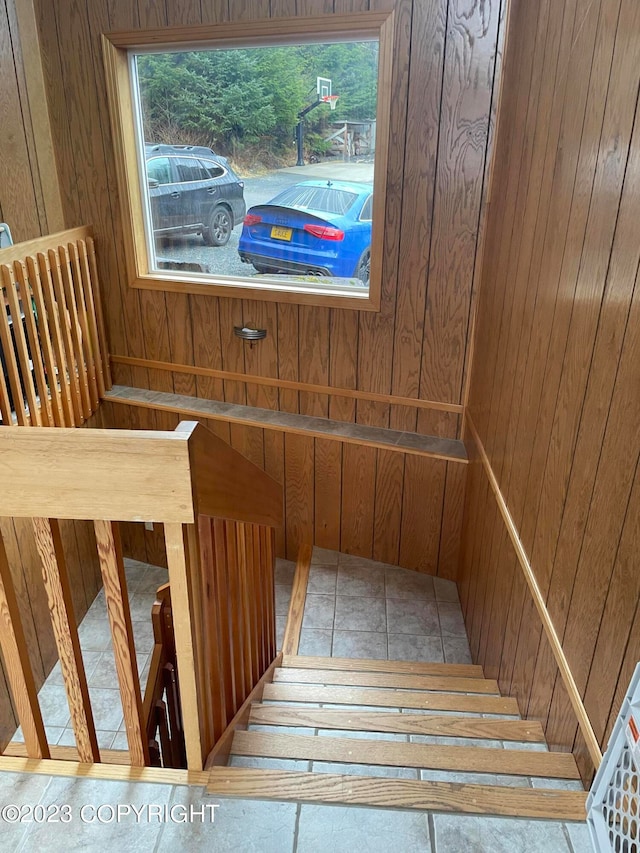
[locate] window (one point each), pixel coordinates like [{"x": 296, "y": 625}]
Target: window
[
  {"x": 158, "y": 169},
  {"x": 270, "y": 139}
]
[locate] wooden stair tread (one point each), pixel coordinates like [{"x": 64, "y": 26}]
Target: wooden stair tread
[
  {"x": 373, "y": 696},
  {"x": 462, "y": 670},
  {"x": 461, "y": 759},
  {"x": 382, "y": 721},
  {"x": 405, "y": 681},
  {"x": 451, "y": 797}
]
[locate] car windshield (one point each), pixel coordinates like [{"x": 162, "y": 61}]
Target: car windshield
[{"x": 323, "y": 199}]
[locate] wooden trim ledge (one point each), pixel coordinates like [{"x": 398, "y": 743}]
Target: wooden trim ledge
[{"x": 451, "y": 450}]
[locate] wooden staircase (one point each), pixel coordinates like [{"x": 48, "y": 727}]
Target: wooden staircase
[{"x": 438, "y": 702}]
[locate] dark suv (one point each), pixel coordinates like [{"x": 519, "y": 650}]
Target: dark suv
[{"x": 193, "y": 191}]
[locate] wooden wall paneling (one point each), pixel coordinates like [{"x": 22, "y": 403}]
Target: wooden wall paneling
[
  {"x": 509, "y": 148},
  {"x": 183, "y": 12},
  {"x": 471, "y": 507},
  {"x": 376, "y": 329},
  {"x": 544, "y": 111},
  {"x": 423, "y": 497},
  {"x": 358, "y": 495},
  {"x": 282, "y": 8},
  {"x": 219, "y": 428},
  {"x": 475, "y": 549},
  {"x": 603, "y": 530},
  {"x": 344, "y": 6},
  {"x": 313, "y": 357},
  {"x": 467, "y": 83},
  {"x": 74, "y": 568},
  {"x": 314, "y": 7},
  {"x": 288, "y": 342},
  {"x": 18, "y": 198},
  {"x": 558, "y": 280},
  {"x": 93, "y": 171},
  {"x": 451, "y": 530},
  {"x": 485, "y": 544},
  {"x": 421, "y": 152},
  {"x": 261, "y": 357},
  {"x": 232, "y": 348},
  {"x": 388, "y": 506},
  {"x": 274, "y": 466},
  {"x": 299, "y": 491},
  {"x": 550, "y": 480},
  {"x": 181, "y": 344},
  {"x": 27, "y": 602},
  {"x": 207, "y": 352},
  {"x": 250, "y": 442},
  {"x": 614, "y": 320},
  {"x": 88, "y": 560},
  {"x": 247, "y": 10},
  {"x": 343, "y": 362},
  {"x": 328, "y": 474},
  {"x": 31, "y": 86},
  {"x": 618, "y": 612},
  {"x": 214, "y": 11}
]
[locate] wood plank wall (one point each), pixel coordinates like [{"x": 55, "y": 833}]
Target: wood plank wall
[
  {"x": 380, "y": 504},
  {"x": 416, "y": 346},
  {"x": 556, "y": 373},
  {"x": 29, "y": 195}
]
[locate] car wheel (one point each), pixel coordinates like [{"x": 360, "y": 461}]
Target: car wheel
[
  {"x": 363, "y": 270},
  {"x": 220, "y": 228}
]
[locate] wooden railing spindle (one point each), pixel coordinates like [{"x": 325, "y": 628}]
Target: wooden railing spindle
[
  {"x": 22, "y": 277},
  {"x": 58, "y": 589}
]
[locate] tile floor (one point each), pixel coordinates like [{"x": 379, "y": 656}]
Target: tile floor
[{"x": 355, "y": 608}]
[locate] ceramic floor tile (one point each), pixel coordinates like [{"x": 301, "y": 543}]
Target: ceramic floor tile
[
  {"x": 140, "y": 605},
  {"x": 284, "y": 572},
  {"x": 362, "y": 735},
  {"x": 415, "y": 648},
  {"x": 445, "y": 590},
  {"x": 148, "y": 584},
  {"x": 401, "y": 583},
  {"x": 359, "y": 644},
  {"x": 579, "y": 837},
  {"x": 91, "y": 835},
  {"x": 497, "y": 835},
  {"x": 105, "y": 738},
  {"x": 104, "y": 672},
  {"x": 456, "y": 650},
  {"x": 360, "y": 614},
  {"x": 319, "y": 611},
  {"x": 406, "y": 616},
  {"x": 107, "y": 708},
  {"x": 358, "y": 579},
  {"x": 322, "y": 579},
  {"x": 283, "y": 596},
  {"x": 315, "y": 642},
  {"x": 90, "y": 662},
  {"x": 54, "y": 705},
  {"x": 20, "y": 789},
  {"x": 451, "y": 621},
  {"x": 239, "y": 825},
  {"x": 324, "y": 557},
  {"x": 341, "y": 829},
  {"x": 94, "y": 634}
]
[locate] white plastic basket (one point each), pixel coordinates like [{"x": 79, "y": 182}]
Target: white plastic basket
[{"x": 613, "y": 804}]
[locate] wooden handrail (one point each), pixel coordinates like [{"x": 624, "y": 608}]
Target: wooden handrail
[{"x": 219, "y": 511}]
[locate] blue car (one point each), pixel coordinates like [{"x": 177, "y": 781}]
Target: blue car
[{"x": 313, "y": 228}]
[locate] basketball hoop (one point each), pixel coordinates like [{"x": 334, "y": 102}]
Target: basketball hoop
[{"x": 332, "y": 100}]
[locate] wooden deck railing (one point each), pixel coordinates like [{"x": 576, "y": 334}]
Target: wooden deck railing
[
  {"x": 218, "y": 512},
  {"x": 55, "y": 365}
]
